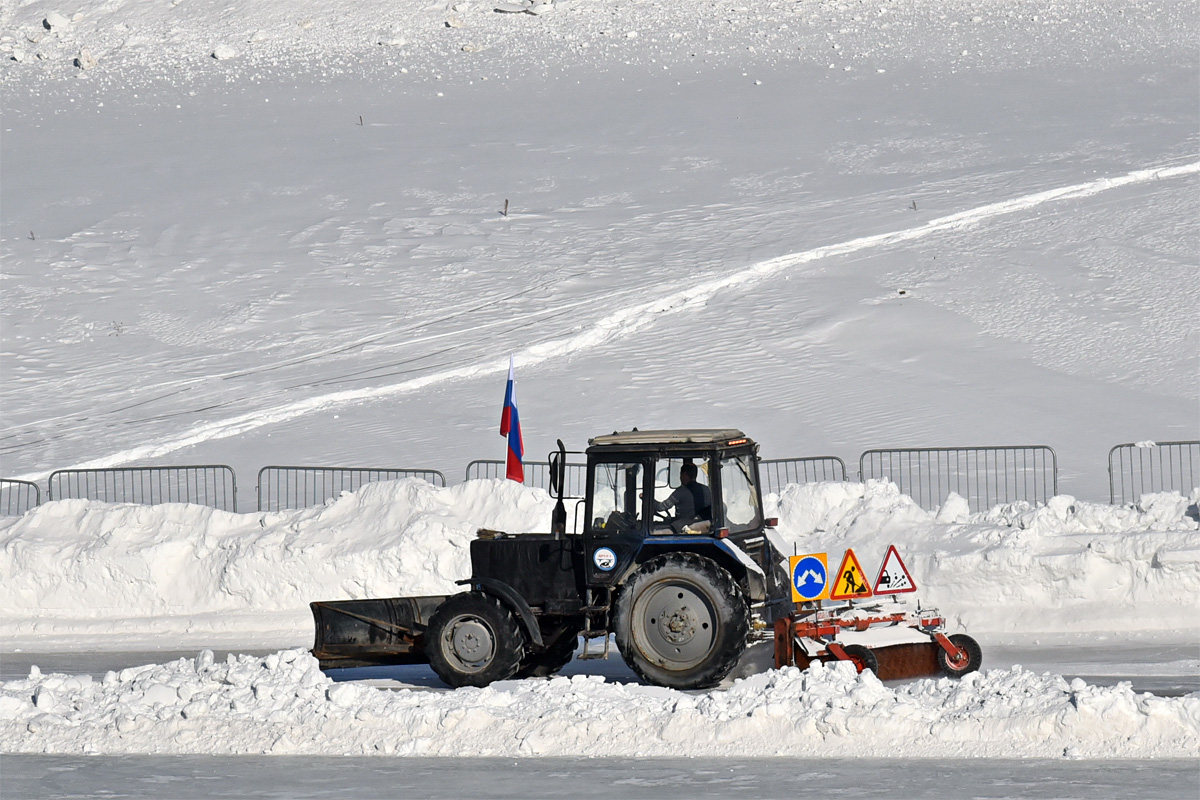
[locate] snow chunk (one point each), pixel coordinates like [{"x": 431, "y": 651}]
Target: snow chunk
[
  {"x": 223, "y": 51},
  {"x": 85, "y": 60},
  {"x": 55, "y": 21},
  {"x": 955, "y": 509}
]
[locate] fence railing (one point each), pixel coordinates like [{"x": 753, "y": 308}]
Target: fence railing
[
  {"x": 1142, "y": 468},
  {"x": 775, "y": 473},
  {"x": 985, "y": 476},
  {"x": 17, "y": 497},
  {"x": 209, "y": 485},
  {"x": 303, "y": 487},
  {"x": 537, "y": 473}
]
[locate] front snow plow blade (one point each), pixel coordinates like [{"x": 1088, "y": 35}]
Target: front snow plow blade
[
  {"x": 898, "y": 646},
  {"x": 361, "y": 633}
]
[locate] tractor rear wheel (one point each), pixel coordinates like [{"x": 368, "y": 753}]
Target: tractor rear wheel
[
  {"x": 681, "y": 621},
  {"x": 473, "y": 640}
]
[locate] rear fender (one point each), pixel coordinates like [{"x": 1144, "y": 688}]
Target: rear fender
[{"x": 513, "y": 602}]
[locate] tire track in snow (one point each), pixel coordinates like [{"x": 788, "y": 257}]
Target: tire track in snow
[{"x": 632, "y": 319}]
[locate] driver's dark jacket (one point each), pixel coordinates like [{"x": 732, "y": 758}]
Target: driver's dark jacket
[{"x": 691, "y": 502}]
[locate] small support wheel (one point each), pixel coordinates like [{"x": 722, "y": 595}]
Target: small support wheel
[
  {"x": 862, "y": 658},
  {"x": 969, "y": 661},
  {"x": 473, "y": 640},
  {"x": 556, "y": 656}
]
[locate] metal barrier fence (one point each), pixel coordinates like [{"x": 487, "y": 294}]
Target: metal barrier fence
[
  {"x": 303, "y": 487},
  {"x": 985, "y": 476},
  {"x": 775, "y": 473},
  {"x": 537, "y": 473},
  {"x": 17, "y": 497},
  {"x": 209, "y": 485},
  {"x": 1152, "y": 467}
]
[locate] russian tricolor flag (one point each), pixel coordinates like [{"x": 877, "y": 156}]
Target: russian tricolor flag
[{"x": 510, "y": 426}]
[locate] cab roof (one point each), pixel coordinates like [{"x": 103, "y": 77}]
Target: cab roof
[{"x": 718, "y": 437}]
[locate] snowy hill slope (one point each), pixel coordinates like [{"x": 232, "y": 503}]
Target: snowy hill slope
[{"x": 210, "y": 260}]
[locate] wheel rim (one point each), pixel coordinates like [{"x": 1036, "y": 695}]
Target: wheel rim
[
  {"x": 468, "y": 643},
  {"x": 674, "y": 625}
]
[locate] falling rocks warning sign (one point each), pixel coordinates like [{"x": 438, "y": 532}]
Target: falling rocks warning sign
[{"x": 894, "y": 577}]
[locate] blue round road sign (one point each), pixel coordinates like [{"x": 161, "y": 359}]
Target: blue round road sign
[{"x": 809, "y": 578}]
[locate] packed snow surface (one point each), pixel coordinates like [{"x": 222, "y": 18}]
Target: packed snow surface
[
  {"x": 284, "y": 704},
  {"x": 76, "y": 571}
]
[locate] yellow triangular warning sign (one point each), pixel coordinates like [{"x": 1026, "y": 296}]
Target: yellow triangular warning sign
[{"x": 849, "y": 583}]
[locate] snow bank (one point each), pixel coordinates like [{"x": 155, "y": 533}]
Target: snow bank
[
  {"x": 284, "y": 704},
  {"x": 76, "y": 568},
  {"x": 201, "y": 577},
  {"x": 1068, "y": 566}
]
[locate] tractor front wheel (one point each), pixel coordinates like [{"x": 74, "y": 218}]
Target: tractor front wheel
[
  {"x": 681, "y": 621},
  {"x": 473, "y": 640}
]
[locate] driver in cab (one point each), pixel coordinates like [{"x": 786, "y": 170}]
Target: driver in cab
[{"x": 692, "y": 502}]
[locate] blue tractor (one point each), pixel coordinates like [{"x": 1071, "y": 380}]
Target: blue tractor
[{"x": 674, "y": 557}]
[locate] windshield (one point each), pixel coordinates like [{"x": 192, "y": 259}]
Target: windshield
[{"x": 739, "y": 495}]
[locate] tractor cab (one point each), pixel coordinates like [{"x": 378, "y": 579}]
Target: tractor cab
[{"x": 638, "y": 501}]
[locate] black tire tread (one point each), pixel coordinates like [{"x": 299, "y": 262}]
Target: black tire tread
[
  {"x": 510, "y": 640},
  {"x": 736, "y": 622},
  {"x": 974, "y": 656},
  {"x": 548, "y": 662},
  {"x": 863, "y": 656}
]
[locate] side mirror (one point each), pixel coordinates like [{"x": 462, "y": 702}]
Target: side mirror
[{"x": 558, "y": 468}]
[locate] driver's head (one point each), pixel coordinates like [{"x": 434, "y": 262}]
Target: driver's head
[{"x": 687, "y": 473}]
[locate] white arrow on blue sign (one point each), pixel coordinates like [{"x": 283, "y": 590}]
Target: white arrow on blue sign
[{"x": 810, "y": 577}]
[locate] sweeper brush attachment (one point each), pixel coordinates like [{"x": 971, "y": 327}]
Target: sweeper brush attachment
[{"x": 895, "y": 646}]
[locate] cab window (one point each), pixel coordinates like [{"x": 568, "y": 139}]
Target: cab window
[
  {"x": 616, "y": 497},
  {"x": 738, "y": 494},
  {"x": 666, "y": 476}
]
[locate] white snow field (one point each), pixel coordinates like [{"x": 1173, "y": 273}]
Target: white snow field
[
  {"x": 295, "y": 254},
  {"x": 272, "y": 233}
]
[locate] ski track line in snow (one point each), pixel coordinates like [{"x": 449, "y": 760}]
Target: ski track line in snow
[{"x": 629, "y": 320}]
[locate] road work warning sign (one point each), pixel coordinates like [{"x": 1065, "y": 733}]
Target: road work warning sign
[
  {"x": 849, "y": 583},
  {"x": 894, "y": 577},
  {"x": 810, "y": 577}
]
